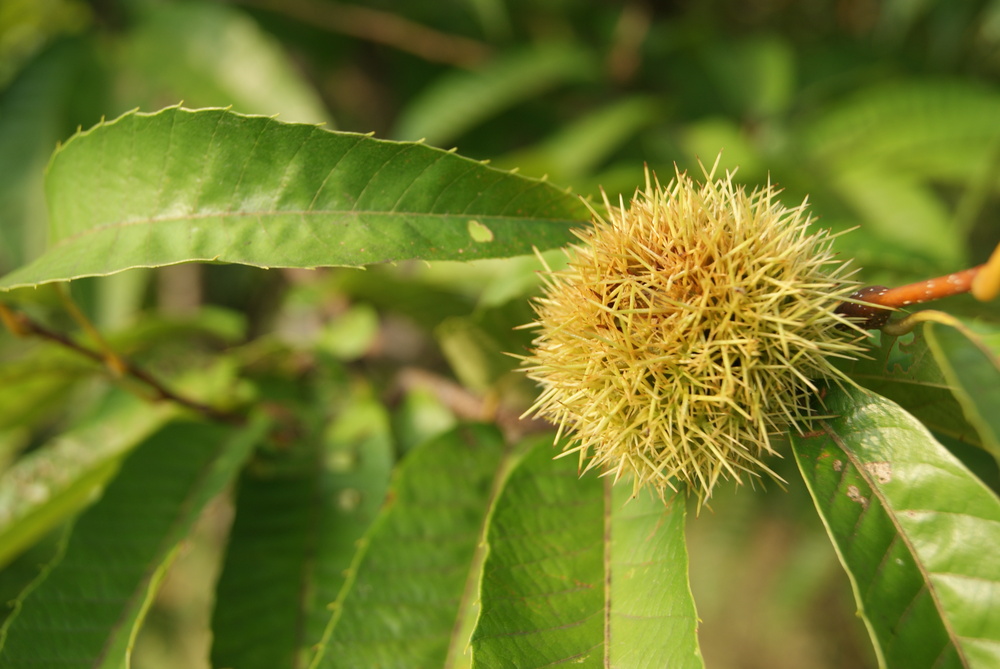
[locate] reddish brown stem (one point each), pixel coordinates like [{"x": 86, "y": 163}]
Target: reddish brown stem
[
  {"x": 876, "y": 303},
  {"x": 925, "y": 291}
]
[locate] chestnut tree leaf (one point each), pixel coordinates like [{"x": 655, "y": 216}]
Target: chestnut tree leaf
[
  {"x": 85, "y": 607},
  {"x": 915, "y": 530},
  {"x": 904, "y": 370},
  {"x": 412, "y": 585},
  {"x": 148, "y": 190},
  {"x": 299, "y": 515},
  {"x": 973, "y": 372},
  {"x": 63, "y": 475},
  {"x": 579, "y": 573}
]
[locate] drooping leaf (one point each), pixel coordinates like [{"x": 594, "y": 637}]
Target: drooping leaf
[
  {"x": 296, "y": 530},
  {"x": 973, "y": 372},
  {"x": 147, "y": 190},
  {"x": 47, "y": 485},
  {"x": 577, "y": 573},
  {"x": 915, "y": 530},
  {"x": 25, "y": 568},
  {"x": 51, "y": 483},
  {"x": 904, "y": 370},
  {"x": 413, "y": 581},
  {"x": 85, "y": 608}
]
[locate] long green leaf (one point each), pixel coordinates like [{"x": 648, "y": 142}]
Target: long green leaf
[
  {"x": 412, "y": 583},
  {"x": 51, "y": 483},
  {"x": 148, "y": 190},
  {"x": 579, "y": 574},
  {"x": 916, "y": 532},
  {"x": 85, "y": 609},
  {"x": 295, "y": 533},
  {"x": 974, "y": 374}
]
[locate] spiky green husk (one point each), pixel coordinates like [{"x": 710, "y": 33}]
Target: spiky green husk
[{"x": 689, "y": 328}]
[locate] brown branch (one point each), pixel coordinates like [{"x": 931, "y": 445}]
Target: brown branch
[
  {"x": 21, "y": 325},
  {"x": 873, "y": 305},
  {"x": 925, "y": 291},
  {"x": 381, "y": 27}
]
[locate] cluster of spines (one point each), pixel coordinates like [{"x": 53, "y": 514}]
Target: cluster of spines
[{"x": 688, "y": 328}]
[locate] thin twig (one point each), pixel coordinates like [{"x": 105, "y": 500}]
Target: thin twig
[
  {"x": 21, "y": 325},
  {"x": 111, "y": 359}
]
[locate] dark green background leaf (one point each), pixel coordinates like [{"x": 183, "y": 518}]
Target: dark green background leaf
[
  {"x": 973, "y": 371},
  {"x": 461, "y": 100},
  {"x": 904, "y": 370},
  {"x": 54, "y": 481}
]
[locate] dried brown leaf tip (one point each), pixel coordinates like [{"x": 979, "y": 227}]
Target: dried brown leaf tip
[{"x": 689, "y": 327}]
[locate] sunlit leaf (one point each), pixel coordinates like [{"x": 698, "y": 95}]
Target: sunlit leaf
[
  {"x": 915, "y": 530},
  {"x": 148, "y": 190}
]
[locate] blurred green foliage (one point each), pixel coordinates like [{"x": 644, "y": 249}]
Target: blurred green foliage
[{"x": 886, "y": 115}]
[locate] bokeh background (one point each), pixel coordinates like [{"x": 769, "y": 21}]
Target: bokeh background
[{"x": 885, "y": 114}]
